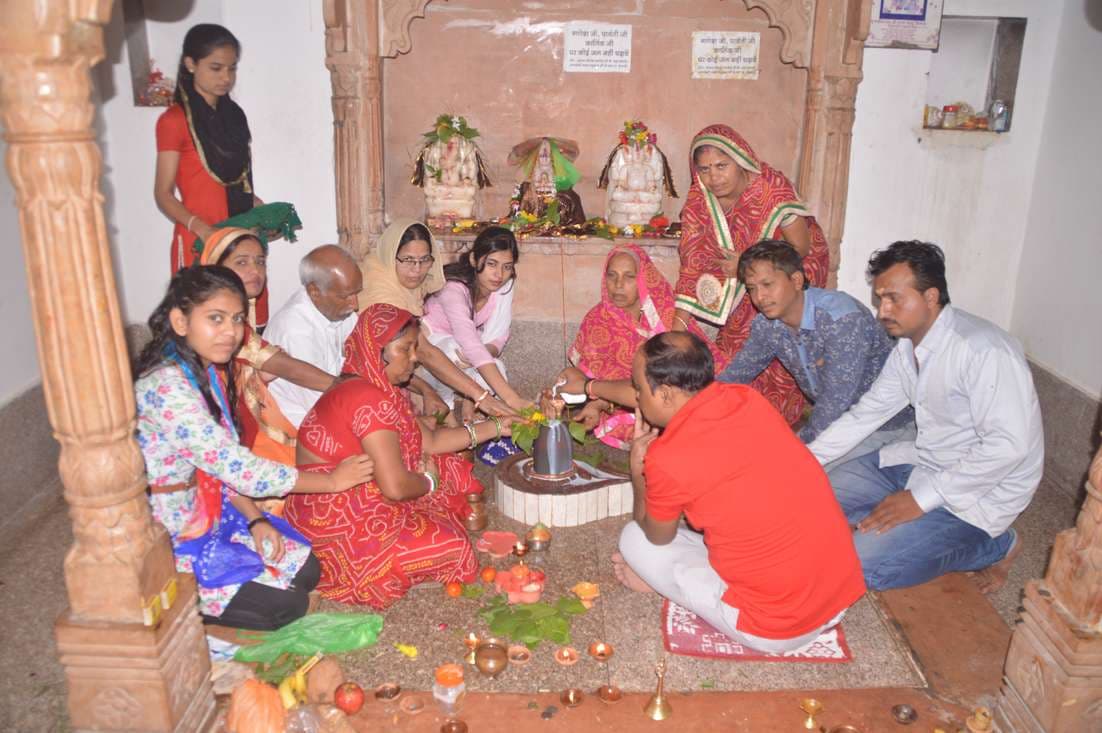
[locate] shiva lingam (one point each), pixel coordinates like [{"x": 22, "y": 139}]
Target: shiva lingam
[
  {"x": 658, "y": 707},
  {"x": 553, "y": 451}
]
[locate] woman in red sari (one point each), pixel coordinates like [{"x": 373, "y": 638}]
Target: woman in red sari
[
  {"x": 636, "y": 303},
  {"x": 406, "y": 526},
  {"x": 263, "y": 427},
  {"x": 737, "y": 200}
]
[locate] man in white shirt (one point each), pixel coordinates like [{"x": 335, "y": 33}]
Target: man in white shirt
[
  {"x": 314, "y": 323},
  {"x": 943, "y": 502}
]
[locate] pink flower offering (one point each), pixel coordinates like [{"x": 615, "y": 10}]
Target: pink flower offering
[
  {"x": 519, "y": 586},
  {"x": 497, "y": 544}
]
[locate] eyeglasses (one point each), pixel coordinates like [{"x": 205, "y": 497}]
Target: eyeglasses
[{"x": 412, "y": 262}]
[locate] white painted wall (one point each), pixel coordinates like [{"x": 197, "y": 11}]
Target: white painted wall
[
  {"x": 979, "y": 203},
  {"x": 283, "y": 86},
  {"x": 1059, "y": 295},
  {"x": 943, "y": 186},
  {"x": 19, "y": 373},
  {"x": 961, "y": 66}
]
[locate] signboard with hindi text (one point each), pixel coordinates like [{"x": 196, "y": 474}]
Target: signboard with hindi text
[
  {"x": 725, "y": 54},
  {"x": 596, "y": 47}
]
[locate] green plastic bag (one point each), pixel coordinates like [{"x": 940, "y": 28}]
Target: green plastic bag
[{"x": 317, "y": 632}]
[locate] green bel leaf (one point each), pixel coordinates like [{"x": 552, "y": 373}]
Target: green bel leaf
[{"x": 577, "y": 431}]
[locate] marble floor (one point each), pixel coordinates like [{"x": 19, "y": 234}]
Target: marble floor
[{"x": 32, "y": 694}]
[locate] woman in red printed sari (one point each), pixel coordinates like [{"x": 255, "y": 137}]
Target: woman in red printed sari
[
  {"x": 406, "y": 526},
  {"x": 737, "y": 200},
  {"x": 636, "y": 303}
]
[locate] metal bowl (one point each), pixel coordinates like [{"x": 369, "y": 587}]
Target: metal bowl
[
  {"x": 388, "y": 691},
  {"x": 539, "y": 545},
  {"x": 454, "y": 726},
  {"x": 904, "y": 714}
]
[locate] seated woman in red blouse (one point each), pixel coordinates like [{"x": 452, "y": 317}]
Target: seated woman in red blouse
[{"x": 406, "y": 526}]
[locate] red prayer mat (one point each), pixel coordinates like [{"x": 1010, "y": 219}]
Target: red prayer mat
[{"x": 685, "y": 633}]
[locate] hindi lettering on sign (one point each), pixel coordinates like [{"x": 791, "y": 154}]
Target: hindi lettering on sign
[
  {"x": 725, "y": 54},
  {"x": 597, "y": 48}
]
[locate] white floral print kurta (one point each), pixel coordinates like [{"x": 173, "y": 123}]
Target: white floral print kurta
[{"x": 178, "y": 435}]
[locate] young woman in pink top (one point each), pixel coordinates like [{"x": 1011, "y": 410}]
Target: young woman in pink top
[{"x": 468, "y": 319}]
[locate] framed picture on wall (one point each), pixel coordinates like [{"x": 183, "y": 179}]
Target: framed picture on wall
[{"x": 905, "y": 24}]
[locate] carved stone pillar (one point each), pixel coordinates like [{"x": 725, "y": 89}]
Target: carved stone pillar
[
  {"x": 131, "y": 642},
  {"x": 1053, "y": 671},
  {"x": 837, "y": 50},
  {"x": 358, "y": 35}
]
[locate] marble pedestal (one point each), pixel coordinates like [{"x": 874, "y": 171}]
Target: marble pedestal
[{"x": 557, "y": 503}]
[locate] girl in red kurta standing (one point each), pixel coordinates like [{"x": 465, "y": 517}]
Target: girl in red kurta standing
[{"x": 204, "y": 165}]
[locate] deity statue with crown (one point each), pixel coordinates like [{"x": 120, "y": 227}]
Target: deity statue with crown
[
  {"x": 450, "y": 170},
  {"x": 549, "y": 177},
  {"x": 637, "y": 176}
]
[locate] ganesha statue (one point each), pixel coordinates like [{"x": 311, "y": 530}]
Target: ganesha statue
[
  {"x": 637, "y": 177},
  {"x": 549, "y": 177},
  {"x": 450, "y": 170}
]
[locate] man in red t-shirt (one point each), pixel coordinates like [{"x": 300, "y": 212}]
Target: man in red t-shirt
[{"x": 775, "y": 565}]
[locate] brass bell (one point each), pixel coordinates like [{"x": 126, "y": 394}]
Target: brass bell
[{"x": 658, "y": 707}]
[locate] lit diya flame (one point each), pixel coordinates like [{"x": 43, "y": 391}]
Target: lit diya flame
[
  {"x": 600, "y": 651},
  {"x": 566, "y": 656},
  {"x": 586, "y": 592},
  {"x": 520, "y": 549}
]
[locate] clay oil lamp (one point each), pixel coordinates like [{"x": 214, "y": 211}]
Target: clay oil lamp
[
  {"x": 491, "y": 657},
  {"x": 388, "y": 692},
  {"x": 601, "y": 651},
  {"x": 412, "y": 705},
  {"x": 520, "y": 549},
  {"x": 519, "y": 654},
  {"x": 812, "y": 707},
  {"x": 538, "y": 538},
  {"x": 566, "y": 656},
  {"x": 471, "y": 642},
  {"x": 610, "y": 694},
  {"x": 572, "y": 698},
  {"x": 586, "y": 592}
]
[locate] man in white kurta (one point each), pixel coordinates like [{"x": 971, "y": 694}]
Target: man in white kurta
[
  {"x": 945, "y": 501},
  {"x": 314, "y": 323}
]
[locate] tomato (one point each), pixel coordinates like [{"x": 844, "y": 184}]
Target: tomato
[
  {"x": 488, "y": 574},
  {"x": 454, "y": 589},
  {"x": 349, "y": 697}
]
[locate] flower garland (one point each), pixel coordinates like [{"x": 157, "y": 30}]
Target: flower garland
[{"x": 636, "y": 133}]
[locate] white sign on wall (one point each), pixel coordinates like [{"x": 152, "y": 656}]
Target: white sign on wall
[
  {"x": 905, "y": 24},
  {"x": 725, "y": 54},
  {"x": 597, "y": 47}
]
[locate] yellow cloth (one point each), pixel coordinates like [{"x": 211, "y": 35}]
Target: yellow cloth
[{"x": 381, "y": 284}]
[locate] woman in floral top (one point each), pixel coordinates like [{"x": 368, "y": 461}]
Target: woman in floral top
[{"x": 253, "y": 570}]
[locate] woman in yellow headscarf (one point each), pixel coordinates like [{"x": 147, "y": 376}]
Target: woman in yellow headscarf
[
  {"x": 263, "y": 427},
  {"x": 405, "y": 268}
]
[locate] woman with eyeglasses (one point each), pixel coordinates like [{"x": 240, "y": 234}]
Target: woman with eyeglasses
[{"x": 402, "y": 271}]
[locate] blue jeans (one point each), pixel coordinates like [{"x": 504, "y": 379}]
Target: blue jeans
[{"x": 913, "y": 552}]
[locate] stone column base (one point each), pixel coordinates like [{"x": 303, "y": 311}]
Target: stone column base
[
  {"x": 129, "y": 677},
  {"x": 1053, "y": 680}
]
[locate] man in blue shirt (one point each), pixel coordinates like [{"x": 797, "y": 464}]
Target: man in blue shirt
[{"x": 830, "y": 342}]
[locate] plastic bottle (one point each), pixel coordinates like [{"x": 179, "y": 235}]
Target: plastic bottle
[{"x": 448, "y": 689}]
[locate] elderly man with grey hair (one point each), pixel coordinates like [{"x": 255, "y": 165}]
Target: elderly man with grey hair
[{"x": 314, "y": 323}]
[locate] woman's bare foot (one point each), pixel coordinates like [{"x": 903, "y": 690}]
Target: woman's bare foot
[
  {"x": 628, "y": 577},
  {"x": 993, "y": 578}
]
